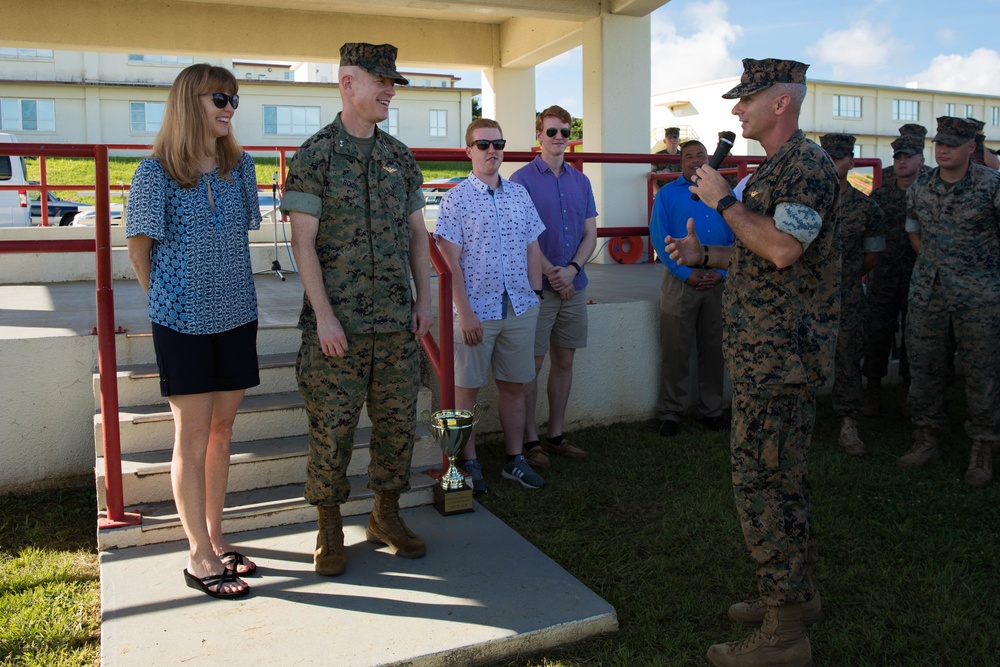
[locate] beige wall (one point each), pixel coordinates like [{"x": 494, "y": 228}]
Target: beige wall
[{"x": 708, "y": 113}]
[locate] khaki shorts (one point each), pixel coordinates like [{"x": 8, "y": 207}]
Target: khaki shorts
[
  {"x": 561, "y": 323},
  {"x": 506, "y": 345}
]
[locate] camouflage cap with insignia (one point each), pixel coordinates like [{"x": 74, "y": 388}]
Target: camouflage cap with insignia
[
  {"x": 911, "y": 144},
  {"x": 761, "y": 74},
  {"x": 954, "y": 131},
  {"x": 838, "y": 146},
  {"x": 913, "y": 128},
  {"x": 377, "y": 59},
  {"x": 672, "y": 132}
]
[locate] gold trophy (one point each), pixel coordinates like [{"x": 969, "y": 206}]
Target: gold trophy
[{"x": 452, "y": 430}]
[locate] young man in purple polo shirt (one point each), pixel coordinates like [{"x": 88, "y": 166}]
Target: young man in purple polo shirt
[{"x": 565, "y": 203}]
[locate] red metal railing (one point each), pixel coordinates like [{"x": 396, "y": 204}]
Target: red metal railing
[
  {"x": 106, "y": 358},
  {"x": 441, "y": 355}
]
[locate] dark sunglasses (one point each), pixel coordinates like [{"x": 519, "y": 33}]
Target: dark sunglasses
[
  {"x": 484, "y": 144},
  {"x": 551, "y": 132},
  {"x": 220, "y": 100}
]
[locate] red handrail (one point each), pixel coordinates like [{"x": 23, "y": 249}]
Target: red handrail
[{"x": 106, "y": 357}]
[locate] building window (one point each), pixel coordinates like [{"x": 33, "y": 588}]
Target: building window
[
  {"x": 968, "y": 111},
  {"x": 995, "y": 116},
  {"x": 905, "y": 110},
  {"x": 949, "y": 109},
  {"x": 141, "y": 58},
  {"x": 291, "y": 120},
  {"x": 146, "y": 116},
  {"x": 261, "y": 77},
  {"x": 846, "y": 106},
  {"x": 28, "y": 115},
  {"x": 25, "y": 54},
  {"x": 289, "y": 76},
  {"x": 439, "y": 123},
  {"x": 444, "y": 84},
  {"x": 391, "y": 124}
]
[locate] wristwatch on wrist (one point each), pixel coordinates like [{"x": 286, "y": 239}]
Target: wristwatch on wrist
[
  {"x": 576, "y": 266},
  {"x": 725, "y": 203}
]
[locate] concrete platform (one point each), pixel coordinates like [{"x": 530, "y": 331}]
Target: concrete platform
[{"x": 482, "y": 593}]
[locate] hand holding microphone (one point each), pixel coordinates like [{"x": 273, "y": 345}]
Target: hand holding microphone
[{"x": 726, "y": 140}]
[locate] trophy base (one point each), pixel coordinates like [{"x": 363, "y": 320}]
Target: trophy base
[{"x": 452, "y": 501}]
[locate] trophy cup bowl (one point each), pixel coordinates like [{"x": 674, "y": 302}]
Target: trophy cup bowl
[{"x": 451, "y": 429}]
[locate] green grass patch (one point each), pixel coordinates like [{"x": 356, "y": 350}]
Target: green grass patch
[
  {"x": 909, "y": 569},
  {"x": 80, "y": 171},
  {"x": 50, "y": 606}
]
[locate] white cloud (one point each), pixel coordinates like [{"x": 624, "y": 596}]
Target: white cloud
[
  {"x": 946, "y": 36},
  {"x": 703, "y": 55},
  {"x": 978, "y": 72},
  {"x": 857, "y": 52}
]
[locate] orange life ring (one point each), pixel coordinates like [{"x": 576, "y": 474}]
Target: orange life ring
[{"x": 625, "y": 249}]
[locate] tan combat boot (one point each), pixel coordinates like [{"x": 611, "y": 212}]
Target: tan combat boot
[
  {"x": 752, "y": 612},
  {"x": 329, "y": 555},
  {"x": 980, "y": 472},
  {"x": 924, "y": 449},
  {"x": 849, "y": 438},
  {"x": 386, "y": 527},
  {"x": 872, "y": 405},
  {"x": 779, "y": 642}
]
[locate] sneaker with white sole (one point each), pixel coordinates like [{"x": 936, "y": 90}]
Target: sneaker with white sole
[
  {"x": 475, "y": 472},
  {"x": 520, "y": 471}
]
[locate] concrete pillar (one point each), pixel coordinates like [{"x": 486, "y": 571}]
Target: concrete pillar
[
  {"x": 509, "y": 98},
  {"x": 92, "y": 116},
  {"x": 616, "y": 76}
]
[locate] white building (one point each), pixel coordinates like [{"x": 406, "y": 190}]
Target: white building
[
  {"x": 871, "y": 113},
  {"x": 114, "y": 98}
]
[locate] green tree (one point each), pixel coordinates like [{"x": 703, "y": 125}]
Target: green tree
[
  {"x": 477, "y": 109},
  {"x": 576, "y": 129}
]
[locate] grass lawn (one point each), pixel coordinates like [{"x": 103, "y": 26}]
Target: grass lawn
[
  {"x": 73, "y": 171},
  {"x": 909, "y": 569}
]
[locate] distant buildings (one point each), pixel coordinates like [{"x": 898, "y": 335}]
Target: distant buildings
[
  {"x": 871, "y": 113},
  {"x": 114, "y": 98}
]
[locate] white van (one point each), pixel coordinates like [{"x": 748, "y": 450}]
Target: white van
[{"x": 15, "y": 210}]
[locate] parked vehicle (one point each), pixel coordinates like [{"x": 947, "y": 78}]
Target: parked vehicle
[
  {"x": 88, "y": 218},
  {"x": 14, "y": 211},
  {"x": 433, "y": 191},
  {"x": 61, "y": 211}
]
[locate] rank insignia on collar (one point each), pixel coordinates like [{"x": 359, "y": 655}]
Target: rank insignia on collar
[{"x": 390, "y": 170}]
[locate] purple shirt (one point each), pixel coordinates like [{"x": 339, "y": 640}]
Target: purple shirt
[
  {"x": 494, "y": 229},
  {"x": 564, "y": 203}
]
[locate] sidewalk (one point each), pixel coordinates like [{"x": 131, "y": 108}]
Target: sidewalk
[{"x": 482, "y": 593}]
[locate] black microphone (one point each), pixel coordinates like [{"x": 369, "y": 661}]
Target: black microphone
[{"x": 726, "y": 140}]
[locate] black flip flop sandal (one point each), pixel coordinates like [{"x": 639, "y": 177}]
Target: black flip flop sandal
[
  {"x": 216, "y": 580},
  {"x": 233, "y": 559}
]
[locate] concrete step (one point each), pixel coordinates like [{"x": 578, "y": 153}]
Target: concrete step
[
  {"x": 148, "y": 428},
  {"x": 252, "y": 510},
  {"x": 136, "y": 347},
  {"x": 139, "y": 384},
  {"x": 254, "y": 464}
]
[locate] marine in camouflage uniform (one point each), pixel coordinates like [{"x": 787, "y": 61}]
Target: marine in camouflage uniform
[
  {"x": 860, "y": 237},
  {"x": 780, "y": 312},
  {"x": 956, "y": 278},
  {"x": 889, "y": 282},
  {"x": 364, "y": 192},
  {"x": 907, "y": 130}
]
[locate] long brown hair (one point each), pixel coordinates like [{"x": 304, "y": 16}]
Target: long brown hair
[{"x": 185, "y": 129}]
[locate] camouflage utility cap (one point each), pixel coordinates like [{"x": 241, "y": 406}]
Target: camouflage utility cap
[
  {"x": 761, "y": 74},
  {"x": 954, "y": 131},
  {"x": 911, "y": 144},
  {"x": 978, "y": 123},
  {"x": 838, "y": 146},
  {"x": 913, "y": 128},
  {"x": 377, "y": 59},
  {"x": 672, "y": 132}
]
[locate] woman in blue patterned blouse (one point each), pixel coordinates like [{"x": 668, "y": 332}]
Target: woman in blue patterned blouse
[{"x": 190, "y": 209}]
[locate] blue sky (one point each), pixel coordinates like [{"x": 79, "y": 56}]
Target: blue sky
[{"x": 886, "y": 42}]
